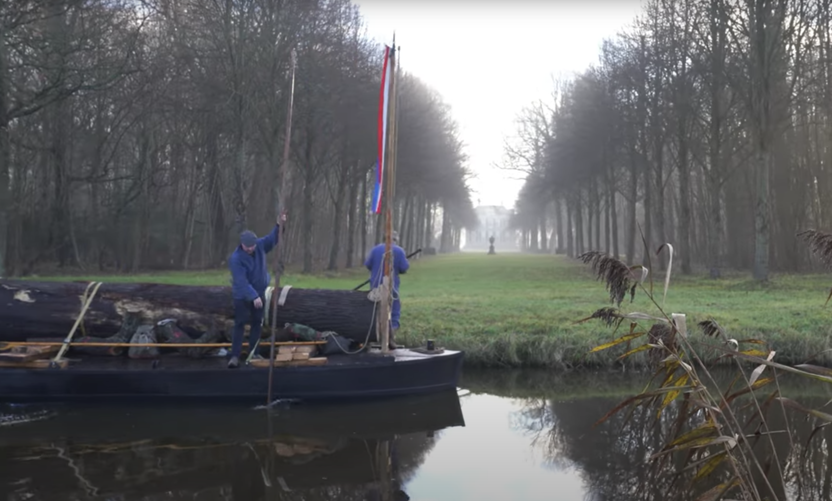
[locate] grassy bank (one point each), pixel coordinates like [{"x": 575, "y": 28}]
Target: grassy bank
[{"x": 519, "y": 310}]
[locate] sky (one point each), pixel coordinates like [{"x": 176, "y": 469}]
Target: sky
[{"x": 490, "y": 59}]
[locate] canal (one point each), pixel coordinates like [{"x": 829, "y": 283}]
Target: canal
[{"x": 508, "y": 435}]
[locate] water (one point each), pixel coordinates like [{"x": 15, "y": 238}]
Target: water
[{"x": 516, "y": 436}]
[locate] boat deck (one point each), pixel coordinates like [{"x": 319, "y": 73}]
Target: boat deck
[{"x": 178, "y": 362}]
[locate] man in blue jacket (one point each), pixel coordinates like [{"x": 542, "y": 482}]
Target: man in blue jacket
[
  {"x": 249, "y": 279},
  {"x": 375, "y": 263}
]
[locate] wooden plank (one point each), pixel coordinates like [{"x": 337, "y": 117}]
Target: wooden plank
[
  {"x": 264, "y": 363},
  {"x": 300, "y": 356},
  {"x": 25, "y": 354},
  {"x": 283, "y": 357},
  {"x": 299, "y": 348},
  {"x": 33, "y": 364}
]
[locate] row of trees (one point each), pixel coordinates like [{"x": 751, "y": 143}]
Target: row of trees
[
  {"x": 148, "y": 134},
  {"x": 706, "y": 124}
]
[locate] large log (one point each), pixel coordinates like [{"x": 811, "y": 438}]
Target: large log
[{"x": 34, "y": 309}]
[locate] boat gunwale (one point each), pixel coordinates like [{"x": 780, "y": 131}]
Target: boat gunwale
[{"x": 379, "y": 360}]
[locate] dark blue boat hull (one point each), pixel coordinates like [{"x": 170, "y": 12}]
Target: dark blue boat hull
[{"x": 344, "y": 377}]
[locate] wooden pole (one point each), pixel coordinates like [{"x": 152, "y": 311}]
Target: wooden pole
[
  {"x": 391, "y": 169},
  {"x": 281, "y": 208}
]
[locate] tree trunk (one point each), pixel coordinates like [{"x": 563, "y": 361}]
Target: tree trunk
[
  {"x": 570, "y": 238},
  {"x": 684, "y": 202},
  {"x": 353, "y": 223},
  {"x": 608, "y": 225},
  {"x": 364, "y": 217},
  {"x": 597, "y": 208},
  {"x": 590, "y": 205},
  {"x": 717, "y": 39},
  {"x": 445, "y": 239},
  {"x": 612, "y": 213},
  {"x": 631, "y": 210},
  {"x": 195, "y": 308},
  {"x": 559, "y": 225},
  {"x": 648, "y": 213},
  {"x": 5, "y": 157},
  {"x": 431, "y": 225},
  {"x": 762, "y": 226},
  {"x": 337, "y": 224},
  {"x": 579, "y": 225},
  {"x": 421, "y": 223},
  {"x": 308, "y": 207}
]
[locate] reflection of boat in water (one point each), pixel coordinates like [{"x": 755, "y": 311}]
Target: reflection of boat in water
[{"x": 339, "y": 452}]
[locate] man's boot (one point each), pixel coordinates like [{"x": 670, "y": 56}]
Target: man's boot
[
  {"x": 234, "y": 363},
  {"x": 392, "y": 344}
]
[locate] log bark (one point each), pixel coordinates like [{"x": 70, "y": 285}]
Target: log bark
[{"x": 33, "y": 309}]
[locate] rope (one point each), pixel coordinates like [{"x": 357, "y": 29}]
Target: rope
[
  {"x": 267, "y": 307},
  {"x": 283, "y": 293},
  {"x": 281, "y": 300},
  {"x": 366, "y": 339},
  {"x": 86, "y": 301}
]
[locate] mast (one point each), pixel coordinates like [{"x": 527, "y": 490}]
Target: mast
[{"x": 388, "y": 202}]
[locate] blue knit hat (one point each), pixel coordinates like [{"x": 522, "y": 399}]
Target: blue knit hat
[{"x": 248, "y": 238}]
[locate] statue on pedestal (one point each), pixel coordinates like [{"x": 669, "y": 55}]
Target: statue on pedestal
[{"x": 491, "y": 247}]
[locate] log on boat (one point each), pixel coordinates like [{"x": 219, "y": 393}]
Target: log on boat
[{"x": 34, "y": 309}]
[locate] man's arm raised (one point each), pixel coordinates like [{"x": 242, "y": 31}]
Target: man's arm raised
[{"x": 270, "y": 241}]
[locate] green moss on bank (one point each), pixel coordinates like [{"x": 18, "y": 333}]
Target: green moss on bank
[{"x": 518, "y": 310}]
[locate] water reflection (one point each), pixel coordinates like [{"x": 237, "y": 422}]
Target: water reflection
[
  {"x": 525, "y": 436},
  {"x": 311, "y": 452},
  {"x": 558, "y": 412}
]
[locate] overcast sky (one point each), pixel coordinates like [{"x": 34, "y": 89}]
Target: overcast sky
[{"x": 490, "y": 59}]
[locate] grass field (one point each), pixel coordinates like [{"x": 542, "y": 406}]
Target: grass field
[{"x": 519, "y": 310}]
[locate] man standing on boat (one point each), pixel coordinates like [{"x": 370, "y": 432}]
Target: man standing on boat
[
  {"x": 400, "y": 265},
  {"x": 249, "y": 280}
]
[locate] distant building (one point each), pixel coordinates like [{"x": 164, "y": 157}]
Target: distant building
[{"x": 494, "y": 221}]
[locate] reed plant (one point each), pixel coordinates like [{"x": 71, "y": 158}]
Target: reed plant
[{"x": 707, "y": 447}]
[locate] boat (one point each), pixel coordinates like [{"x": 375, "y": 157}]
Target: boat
[
  {"x": 368, "y": 375},
  {"x": 315, "y": 450},
  {"x": 55, "y": 370}
]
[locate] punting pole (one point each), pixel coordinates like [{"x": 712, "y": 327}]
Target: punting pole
[{"x": 281, "y": 208}]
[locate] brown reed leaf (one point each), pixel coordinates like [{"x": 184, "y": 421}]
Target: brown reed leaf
[{"x": 620, "y": 278}]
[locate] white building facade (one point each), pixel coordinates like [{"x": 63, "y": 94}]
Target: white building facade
[{"x": 493, "y": 221}]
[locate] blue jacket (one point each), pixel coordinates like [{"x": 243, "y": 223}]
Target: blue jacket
[
  {"x": 375, "y": 263},
  {"x": 249, "y": 274}
]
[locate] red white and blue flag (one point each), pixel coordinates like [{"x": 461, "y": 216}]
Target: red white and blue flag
[{"x": 382, "y": 129}]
